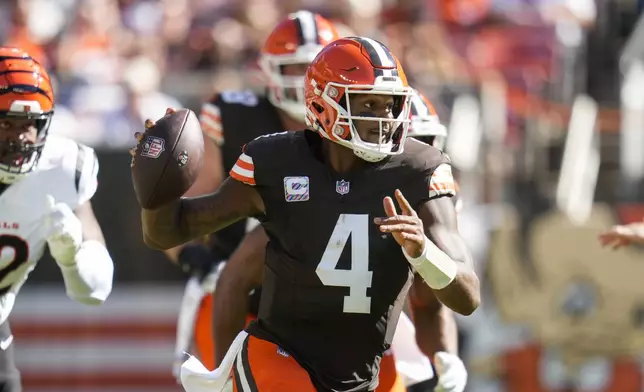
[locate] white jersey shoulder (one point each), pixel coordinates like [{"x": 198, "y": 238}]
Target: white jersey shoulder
[
  {"x": 72, "y": 165},
  {"x": 67, "y": 171}
]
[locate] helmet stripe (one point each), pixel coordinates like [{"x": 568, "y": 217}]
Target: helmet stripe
[
  {"x": 378, "y": 53},
  {"x": 24, "y": 88},
  {"x": 4, "y": 58},
  {"x": 418, "y": 107},
  {"x": 307, "y": 28}
]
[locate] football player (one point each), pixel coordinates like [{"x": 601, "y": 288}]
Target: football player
[
  {"x": 329, "y": 307},
  {"x": 283, "y": 60},
  {"x": 435, "y": 325},
  {"x": 436, "y": 331},
  {"x": 230, "y": 120},
  {"x": 425, "y": 125},
  {"x": 46, "y": 184}
]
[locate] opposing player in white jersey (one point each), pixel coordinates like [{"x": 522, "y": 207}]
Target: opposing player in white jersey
[{"x": 46, "y": 184}]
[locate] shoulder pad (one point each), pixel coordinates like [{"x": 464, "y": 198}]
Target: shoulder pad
[
  {"x": 258, "y": 157},
  {"x": 212, "y": 112},
  {"x": 422, "y": 156},
  {"x": 433, "y": 164},
  {"x": 74, "y": 166}
]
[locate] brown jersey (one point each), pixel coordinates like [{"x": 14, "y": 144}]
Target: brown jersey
[
  {"x": 232, "y": 119},
  {"x": 334, "y": 284}
]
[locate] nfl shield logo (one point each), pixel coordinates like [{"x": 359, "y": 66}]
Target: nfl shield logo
[
  {"x": 153, "y": 147},
  {"x": 342, "y": 187}
]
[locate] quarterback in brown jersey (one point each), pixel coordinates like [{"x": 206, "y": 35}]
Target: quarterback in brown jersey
[
  {"x": 341, "y": 256},
  {"x": 433, "y": 328},
  {"x": 229, "y": 120}
]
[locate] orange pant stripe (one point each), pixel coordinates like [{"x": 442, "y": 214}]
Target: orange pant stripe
[{"x": 266, "y": 367}]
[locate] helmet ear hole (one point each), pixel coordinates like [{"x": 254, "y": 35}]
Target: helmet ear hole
[{"x": 317, "y": 107}]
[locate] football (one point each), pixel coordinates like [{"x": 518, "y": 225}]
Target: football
[{"x": 167, "y": 159}]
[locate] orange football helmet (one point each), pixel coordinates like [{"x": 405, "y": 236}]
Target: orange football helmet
[
  {"x": 425, "y": 124},
  {"x": 295, "y": 40},
  {"x": 356, "y": 65},
  {"x": 25, "y": 92}
]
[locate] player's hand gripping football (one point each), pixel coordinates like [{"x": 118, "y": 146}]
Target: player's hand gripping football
[
  {"x": 452, "y": 375},
  {"x": 139, "y": 135},
  {"x": 406, "y": 228},
  {"x": 64, "y": 232},
  {"x": 623, "y": 235}
]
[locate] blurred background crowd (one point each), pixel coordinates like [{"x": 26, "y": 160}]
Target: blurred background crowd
[{"x": 543, "y": 104}]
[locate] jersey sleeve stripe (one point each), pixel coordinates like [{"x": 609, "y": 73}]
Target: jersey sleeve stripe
[
  {"x": 211, "y": 110},
  {"x": 214, "y": 119},
  {"x": 246, "y": 159},
  {"x": 244, "y": 170},
  {"x": 210, "y": 121},
  {"x": 242, "y": 175},
  {"x": 245, "y": 166},
  {"x": 442, "y": 182},
  {"x": 211, "y": 128}
]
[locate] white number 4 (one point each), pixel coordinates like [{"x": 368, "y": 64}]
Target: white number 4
[{"x": 358, "y": 278}]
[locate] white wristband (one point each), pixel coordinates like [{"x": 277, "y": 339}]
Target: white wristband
[
  {"x": 434, "y": 266},
  {"x": 89, "y": 279}
]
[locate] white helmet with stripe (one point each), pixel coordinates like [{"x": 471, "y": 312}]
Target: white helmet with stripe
[
  {"x": 425, "y": 124},
  {"x": 295, "y": 40}
]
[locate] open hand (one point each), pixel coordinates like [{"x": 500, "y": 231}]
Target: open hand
[
  {"x": 623, "y": 235},
  {"x": 407, "y": 228}
]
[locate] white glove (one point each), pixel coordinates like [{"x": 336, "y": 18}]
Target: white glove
[
  {"x": 452, "y": 375},
  {"x": 64, "y": 232}
]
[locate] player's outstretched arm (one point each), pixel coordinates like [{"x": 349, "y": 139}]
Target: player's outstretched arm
[
  {"x": 243, "y": 272},
  {"x": 189, "y": 218},
  {"x": 433, "y": 246}
]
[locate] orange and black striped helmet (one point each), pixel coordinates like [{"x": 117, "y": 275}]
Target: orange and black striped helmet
[{"x": 25, "y": 94}]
